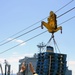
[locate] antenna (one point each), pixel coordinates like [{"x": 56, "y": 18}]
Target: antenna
[{"x": 41, "y": 46}]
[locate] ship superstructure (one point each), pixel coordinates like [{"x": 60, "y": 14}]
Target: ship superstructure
[{"x": 47, "y": 63}]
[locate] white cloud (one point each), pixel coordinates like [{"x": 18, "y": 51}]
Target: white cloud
[{"x": 21, "y": 42}]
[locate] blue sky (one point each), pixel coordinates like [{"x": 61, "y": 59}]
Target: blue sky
[{"x": 16, "y": 15}]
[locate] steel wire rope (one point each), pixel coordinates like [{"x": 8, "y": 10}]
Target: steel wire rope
[
  {"x": 34, "y": 29},
  {"x": 19, "y": 36},
  {"x": 56, "y": 45},
  {"x": 59, "y": 25},
  {"x": 66, "y": 12},
  {"x": 67, "y": 20},
  {"x": 64, "y": 6},
  {"x": 22, "y": 42},
  {"x": 22, "y": 30},
  {"x": 31, "y": 38},
  {"x": 36, "y": 22},
  {"x": 64, "y": 21}
]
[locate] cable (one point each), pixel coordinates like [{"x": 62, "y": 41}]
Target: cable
[
  {"x": 56, "y": 45},
  {"x": 60, "y": 24},
  {"x": 34, "y": 28},
  {"x": 19, "y": 36},
  {"x": 35, "y": 23},
  {"x": 66, "y": 12},
  {"x": 64, "y": 6},
  {"x": 22, "y": 30},
  {"x": 50, "y": 40},
  {"x": 21, "y": 43},
  {"x": 57, "y": 17},
  {"x": 31, "y": 38},
  {"x": 67, "y": 20}
]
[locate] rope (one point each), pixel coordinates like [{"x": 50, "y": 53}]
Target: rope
[
  {"x": 21, "y": 43},
  {"x": 36, "y": 22},
  {"x": 19, "y": 36},
  {"x": 56, "y": 45},
  {"x": 66, "y": 12}
]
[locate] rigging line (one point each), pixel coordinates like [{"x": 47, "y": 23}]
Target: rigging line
[
  {"x": 66, "y": 12},
  {"x": 64, "y": 6},
  {"x": 19, "y": 36},
  {"x": 22, "y": 30},
  {"x": 29, "y": 39},
  {"x": 49, "y": 40},
  {"x": 60, "y": 24},
  {"x": 32, "y": 30},
  {"x": 67, "y": 20},
  {"x": 22, "y": 42},
  {"x": 56, "y": 45},
  {"x": 57, "y": 17},
  {"x": 35, "y": 23}
]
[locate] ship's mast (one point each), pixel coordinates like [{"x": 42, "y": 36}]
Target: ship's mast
[{"x": 41, "y": 46}]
